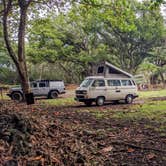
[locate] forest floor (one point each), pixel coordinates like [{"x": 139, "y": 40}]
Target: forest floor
[{"x": 63, "y": 132}]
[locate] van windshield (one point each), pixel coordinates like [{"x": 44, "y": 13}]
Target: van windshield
[{"x": 86, "y": 83}]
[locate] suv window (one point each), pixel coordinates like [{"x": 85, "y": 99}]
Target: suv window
[
  {"x": 34, "y": 85},
  {"x": 126, "y": 82},
  {"x": 98, "y": 83},
  {"x": 113, "y": 83},
  {"x": 42, "y": 84}
]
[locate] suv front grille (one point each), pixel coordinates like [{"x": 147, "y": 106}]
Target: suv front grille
[{"x": 80, "y": 97}]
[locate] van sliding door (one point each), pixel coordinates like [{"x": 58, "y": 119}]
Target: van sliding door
[{"x": 114, "y": 90}]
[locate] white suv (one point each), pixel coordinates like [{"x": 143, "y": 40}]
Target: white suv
[
  {"x": 49, "y": 88},
  {"x": 99, "y": 89}
]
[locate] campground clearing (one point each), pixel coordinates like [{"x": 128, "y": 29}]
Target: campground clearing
[{"x": 63, "y": 132}]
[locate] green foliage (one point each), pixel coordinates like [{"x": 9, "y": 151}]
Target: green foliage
[
  {"x": 89, "y": 31},
  {"x": 122, "y": 32}
]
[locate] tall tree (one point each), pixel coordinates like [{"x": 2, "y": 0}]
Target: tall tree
[
  {"x": 14, "y": 17},
  {"x": 18, "y": 58}
]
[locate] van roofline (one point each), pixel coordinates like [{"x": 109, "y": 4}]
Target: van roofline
[
  {"x": 118, "y": 69},
  {"x": 96, "y": 77}
]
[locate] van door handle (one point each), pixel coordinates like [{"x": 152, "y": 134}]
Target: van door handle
[{"x": 117, "y": 90}]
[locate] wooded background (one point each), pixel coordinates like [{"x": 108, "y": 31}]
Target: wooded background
[{"x": 62, "y": 40}]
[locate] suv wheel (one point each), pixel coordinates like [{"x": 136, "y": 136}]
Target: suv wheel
[
  {"x": 88, "y": 103},
  {"x": 129, "y": 99},
  {"x": 53, "y": 95},
  {"x": 17, "y": 96},
  {"x": 100, "y": 101}
]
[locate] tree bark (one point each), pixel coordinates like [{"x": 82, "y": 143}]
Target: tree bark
[
  {"x": 162, "y": 79},
  {"x": 21, "y": 50}
]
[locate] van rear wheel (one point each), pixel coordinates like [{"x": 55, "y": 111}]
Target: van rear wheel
[
  {"x": 100, "y": 101},
  {"x": 129, "y": 99}
]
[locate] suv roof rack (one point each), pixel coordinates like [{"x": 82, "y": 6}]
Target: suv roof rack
[{"x": 46, "y": 80}]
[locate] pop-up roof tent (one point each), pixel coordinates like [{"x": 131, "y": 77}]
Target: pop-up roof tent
[{"x": 108, "y": 70}]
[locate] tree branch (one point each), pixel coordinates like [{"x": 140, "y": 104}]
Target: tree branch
[{"x": 7, "y": 9}]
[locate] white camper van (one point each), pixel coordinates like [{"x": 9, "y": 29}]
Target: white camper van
[
  {"x": 108, "y": 83},
  {"x": 100, "y": 89}
]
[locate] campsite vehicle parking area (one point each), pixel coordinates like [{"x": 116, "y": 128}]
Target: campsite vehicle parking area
[{"x": 64, "y": 132}]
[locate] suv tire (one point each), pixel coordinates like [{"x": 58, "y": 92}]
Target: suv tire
[
  {"x": 129, "y": 99},
  {"x": 100, "y": 101},
  {"x": 88, "y": 103},
  {"x": 53, "y": 94},
  {"x": 17, "y": 96}
]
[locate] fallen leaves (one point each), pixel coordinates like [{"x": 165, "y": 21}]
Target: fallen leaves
[
  {"x": 107, "y": 149},
  {"x": 150, "y": 156},
  {"x": 130, "y": 150},
  {"x": 35, "y": 158},
  {"x": 66, "y": 136}
]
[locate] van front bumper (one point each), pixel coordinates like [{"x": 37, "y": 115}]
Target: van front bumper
[{"x": 84, "y": 99}]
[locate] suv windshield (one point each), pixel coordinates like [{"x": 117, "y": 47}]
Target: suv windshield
[{"x": 86, "y": 83}]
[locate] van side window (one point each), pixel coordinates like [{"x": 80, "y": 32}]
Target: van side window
[
  {"x": 133, "y": 82},
  {"x": 113, "y": 83},
  {"x": 126, "y": 83},
  {"x": 98, "y": 83}
]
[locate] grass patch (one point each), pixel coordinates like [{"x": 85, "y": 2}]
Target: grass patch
[
  {"x": 155, "y": 111},
  {"x": 154, "y": 93},
  {"x": 60, "y": 101},
  {"x": 4, "y": 96}
]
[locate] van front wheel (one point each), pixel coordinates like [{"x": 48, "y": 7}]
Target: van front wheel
[
  {"x": 100, "y": 101},
  {"x": 129, "y": 99}
]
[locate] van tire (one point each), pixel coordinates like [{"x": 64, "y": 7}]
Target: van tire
[
  {"x": 17, "y": 96},
  {"x": 129, "y": 99},
  {"x": 53, "y": 94},
  {"x": 88, "y": 103},
  {"x": 100, "y": 101}
]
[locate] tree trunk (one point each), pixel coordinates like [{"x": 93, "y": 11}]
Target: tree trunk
[
  {"x": 162, "y": 79},
  {"x": 21, "y": 51},
  {"x": 19, "y": 60}
]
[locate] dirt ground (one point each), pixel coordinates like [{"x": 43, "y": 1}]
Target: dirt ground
[{"x": 71, "y": 135}]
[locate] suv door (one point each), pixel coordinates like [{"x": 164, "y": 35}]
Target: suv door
[
  {"x": 43, "y": 88},
  {"x": 35, "y": 88},
  {"x": 98, "y": 88},
  {"x": 114, "y": 89}
]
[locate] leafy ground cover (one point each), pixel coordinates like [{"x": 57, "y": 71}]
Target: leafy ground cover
[{"x": 63, "y": 132}]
